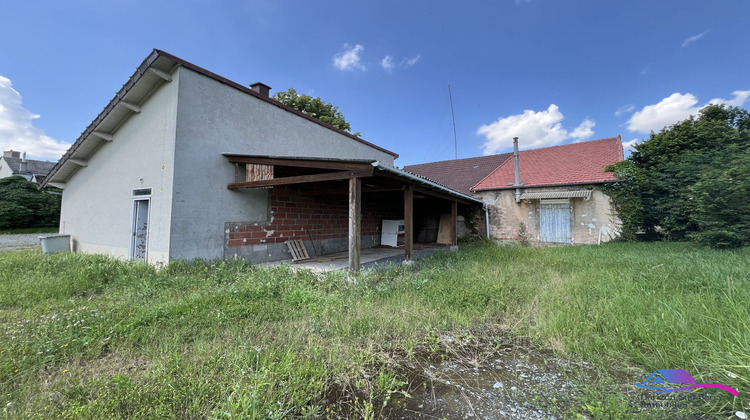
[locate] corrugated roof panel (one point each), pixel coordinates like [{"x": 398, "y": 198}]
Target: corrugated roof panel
[{"x": 556, "y": 194}]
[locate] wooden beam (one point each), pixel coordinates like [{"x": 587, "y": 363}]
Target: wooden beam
[
  {"x": 301, "y": 179},
  {"x": 133, "y": 107},
  {"x": 79, "y": 162},
  {"x": 166, "y": 76},
  {"x": 60, "y": 185},
  {"x": 299, "y": 163},
  {"x": 408, "y": 221},
  {"x": 444, "y": 196},
  {"x": 454, "y": 222},
  {"x": 355, "y": 222},
  {"x": 339, "y": 191},
  {"x": 104, "y": 136},
  {"x": 258, "y": 172}
]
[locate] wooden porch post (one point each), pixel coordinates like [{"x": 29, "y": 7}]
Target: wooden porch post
[
  {"x": 454, "y": 223},
  {"x": 355, "y": 222},
  {"x": 408, "y": 221}
]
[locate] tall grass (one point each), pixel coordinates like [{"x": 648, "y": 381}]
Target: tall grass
[{"x": 85, "y": 336}]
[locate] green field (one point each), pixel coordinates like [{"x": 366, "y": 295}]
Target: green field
[{"x": 85, "y": 336}]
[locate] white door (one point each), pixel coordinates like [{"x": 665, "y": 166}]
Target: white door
[
  {"x": 139, "y": 241},
  {"x": 554, "y": 221}
]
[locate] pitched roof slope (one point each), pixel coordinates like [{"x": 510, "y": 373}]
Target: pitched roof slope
[
  {"x": 39, "y": 167},
  {"x": 570, "y": 164},
  {"x": 459, "y": 174}
]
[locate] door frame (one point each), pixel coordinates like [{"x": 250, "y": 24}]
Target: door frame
[{"x": 138, "y": 195}]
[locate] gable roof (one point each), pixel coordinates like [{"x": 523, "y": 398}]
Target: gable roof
[
  {"x": 36, "y": 167},
  {"x": 459, "y": 174},
  {"x": 155, "y": 70},
  {"x": 570, "y": 164}
]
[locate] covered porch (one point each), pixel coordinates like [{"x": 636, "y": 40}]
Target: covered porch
[{"x": 328, "y": 204}]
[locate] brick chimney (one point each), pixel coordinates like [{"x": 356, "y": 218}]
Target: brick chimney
[
  {"x": 261, "y": 88},
  {"x": 11, "y": 154}
]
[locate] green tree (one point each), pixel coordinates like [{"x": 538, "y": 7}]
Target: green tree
[
  {"x": 689, "y": 181},
  {"x": 314, "y": 107},
  {"x": 23, "y": 205}
]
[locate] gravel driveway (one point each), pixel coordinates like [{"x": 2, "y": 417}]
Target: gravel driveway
[{"x": 20, "y": 241}]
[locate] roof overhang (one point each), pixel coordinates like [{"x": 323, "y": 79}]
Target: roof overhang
[{"x": 156, "y": 70}]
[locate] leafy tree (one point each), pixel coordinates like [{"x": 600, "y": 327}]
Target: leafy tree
[
  {"x": 314, "y": 107},
  {"x": 689, "y": 181},
  {"x": 23, "y": 205}
]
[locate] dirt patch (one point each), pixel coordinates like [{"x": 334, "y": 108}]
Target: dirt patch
[{"x": 504, "y": 377}]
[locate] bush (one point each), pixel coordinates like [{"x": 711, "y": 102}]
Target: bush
[{"x": 23, "y": 205}]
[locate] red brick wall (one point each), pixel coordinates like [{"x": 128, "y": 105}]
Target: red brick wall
[{"x": 294, "y": 215}]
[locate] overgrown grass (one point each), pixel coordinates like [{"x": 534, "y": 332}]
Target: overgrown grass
[{"x": 84, "y": 336}]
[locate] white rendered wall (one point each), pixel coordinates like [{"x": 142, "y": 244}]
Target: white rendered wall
[
  {"x": 213, "y": 118},
  {"x": 97, "y": 201}
]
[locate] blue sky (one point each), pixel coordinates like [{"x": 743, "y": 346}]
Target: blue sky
[{"x": 548, "y": 71}]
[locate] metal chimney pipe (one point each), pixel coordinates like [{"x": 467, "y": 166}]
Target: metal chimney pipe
[
  {"x": 518, "y": 170},
  {"x": 23, "y": 166}
]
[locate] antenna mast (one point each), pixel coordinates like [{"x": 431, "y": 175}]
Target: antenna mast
[{"x": 455, "y": 138}]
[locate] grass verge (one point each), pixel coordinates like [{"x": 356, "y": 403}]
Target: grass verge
[{"x": 86, "y": 336}]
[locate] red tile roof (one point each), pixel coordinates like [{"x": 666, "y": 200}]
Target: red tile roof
[
  {"x": 459, "y": 174},
  {"x": 577, "y": 163}
]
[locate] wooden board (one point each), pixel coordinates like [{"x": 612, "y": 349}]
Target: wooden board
[{"x": 297, "y": 249}]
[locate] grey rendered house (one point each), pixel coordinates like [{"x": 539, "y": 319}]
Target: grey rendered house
[
  {"x": 14, "y": 163},
  {"x": 185, "y": 164}
]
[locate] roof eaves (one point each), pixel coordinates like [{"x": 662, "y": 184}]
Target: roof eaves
[
  {"x": 140, "y": 71},
  {"x": 143, "y": 68}
]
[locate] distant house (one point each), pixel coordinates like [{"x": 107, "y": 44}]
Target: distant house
[
  {"x": 184, "y": 164},
  {"x": 15, "y": 164},
  {"x": 557, "y": 201}
]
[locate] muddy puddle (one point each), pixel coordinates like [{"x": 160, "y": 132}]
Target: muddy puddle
[{"x": 474, "y": 382}]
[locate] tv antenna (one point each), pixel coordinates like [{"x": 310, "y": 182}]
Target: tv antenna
[{"x": 455, "y": 138}]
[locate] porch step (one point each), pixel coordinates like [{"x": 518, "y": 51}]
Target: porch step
[{"x": 297, "y": 249}]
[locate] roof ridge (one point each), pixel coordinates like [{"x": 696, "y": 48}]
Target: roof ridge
[{"x": 462, "y": 159}]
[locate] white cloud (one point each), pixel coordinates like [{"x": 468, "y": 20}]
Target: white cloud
[
  {"x": 740, "y": 97},
  {"x": 625, "y": 109},
  {"x": 675, "y": 108},
  {"x": 534, "y": 129},
  {"x": 646, "y": 69},
  {"x": 694, "y": 38},
  {"x": 348, "y": 59},
  {"x": 408, "y": 62},
  {"x": 628, "y": 145},
  {"x": 17, "y": 129},
  {"x": 584, "y": 130},
  {"x": 387, "y": 63}
]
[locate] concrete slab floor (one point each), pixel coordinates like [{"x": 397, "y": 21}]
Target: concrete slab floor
[{"x": 369, "y": 258}]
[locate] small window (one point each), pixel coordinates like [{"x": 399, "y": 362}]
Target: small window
[{"x": 141, "y": 192}]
